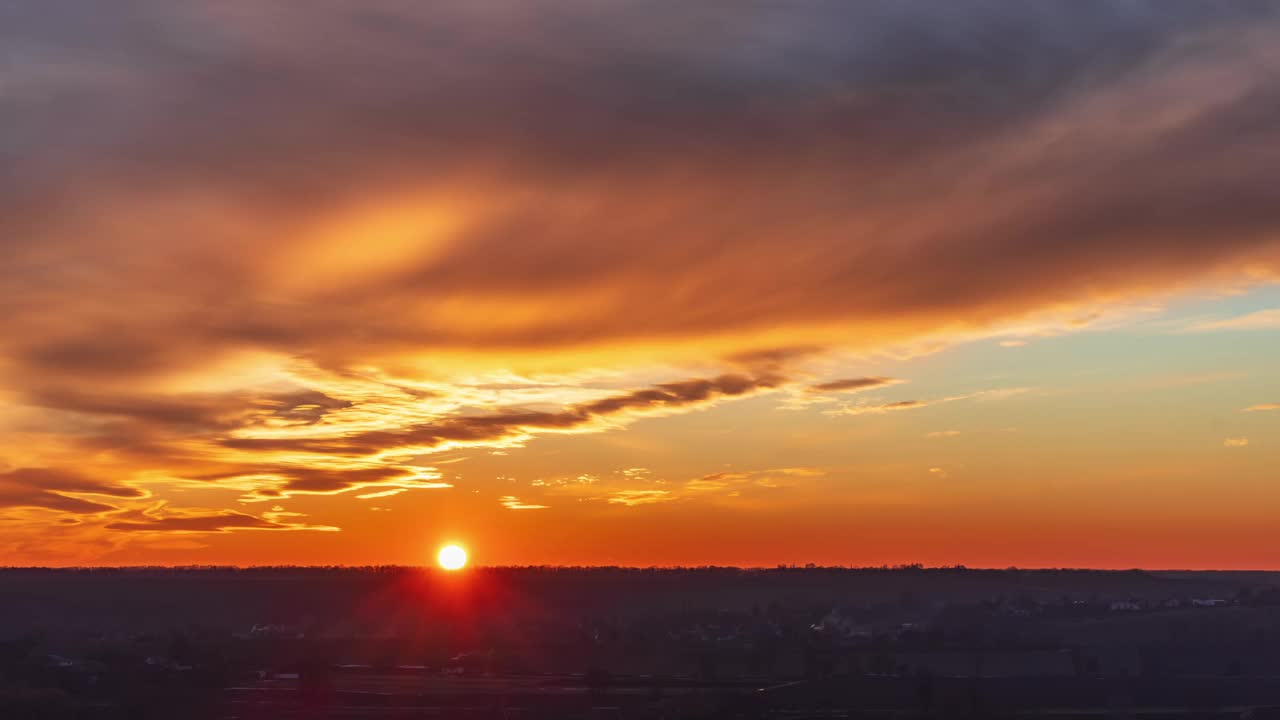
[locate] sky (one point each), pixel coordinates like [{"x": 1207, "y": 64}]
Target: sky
[{"x": 660, "y": 283}]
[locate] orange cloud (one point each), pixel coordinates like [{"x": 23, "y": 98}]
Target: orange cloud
[
  {"x": 512, "y": 502},
  {"x": 1262, "y": 407},
  {"x": 691, "y": 236},
  {"x": 640, "y": 497},
  {"x": 311, "y": 273}
]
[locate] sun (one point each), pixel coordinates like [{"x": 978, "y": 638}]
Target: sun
[{"x": 452, "y": 557}]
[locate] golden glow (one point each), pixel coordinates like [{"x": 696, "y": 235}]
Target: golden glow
[
  {"x": 452, "y": 557},
  {"x": 338, "y": 248}
]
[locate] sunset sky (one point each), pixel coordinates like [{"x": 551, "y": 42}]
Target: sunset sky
[{"x": 582, "y": 282}]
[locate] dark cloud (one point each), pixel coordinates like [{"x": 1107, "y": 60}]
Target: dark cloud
[
  {"x": 490, "y": 428},
  {"x": 700, "y": 169},
  {"x": 209, "y": 411},
  {"x": 47, "y": 488},
  {"x": 903, "y": 404},
  {"x": 301, "y": 480},
  {"x": 853, "y": 384},
  {"x": 679, "y": 394},
  {"x": 465, "y": 429},
  {"x": 212, "y": 522}
]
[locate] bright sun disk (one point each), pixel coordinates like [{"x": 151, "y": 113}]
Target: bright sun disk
[{"x": 452, "y": 557}]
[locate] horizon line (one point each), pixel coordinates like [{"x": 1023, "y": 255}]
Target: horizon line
[{"x": 753, "y": 568}]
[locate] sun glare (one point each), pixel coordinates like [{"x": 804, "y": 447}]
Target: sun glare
[{"x": 452, "y": 557}]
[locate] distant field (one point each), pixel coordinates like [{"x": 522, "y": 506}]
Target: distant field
[{"x": 386, "y": 600}]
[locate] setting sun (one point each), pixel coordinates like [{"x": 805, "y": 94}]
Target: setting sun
[{"x": 452, "y": 557}]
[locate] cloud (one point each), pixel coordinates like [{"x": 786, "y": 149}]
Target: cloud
[
  {"x": 266, "y": 128},
  {"x": 853, "y": 384},
  {"x": 1260, "y": 320},
  {"x": 385, "y": 493},
  {"x": 512, "y": 502},
  {"x": 1012, "y": 343},
  {"x": 879, "y": 408},
  {"x": 715, "y": 481},
  {"x": 277, "y": 482},
  {"x": 55, "y": 489},
  {"x": 675, "y": 395},
  {"x": 993, "y": 394},
  {"x": 1236, "y": 442},
  {"x": 876, "y": 409},
  {"x": 515, "y": 425},
  {"x": 168, "y": 520},
  {"x": 944, "y": 433},
  {"x": 736, "y": 481},
  {"x": 640, "y": 497},
  {"x": 181, "y": 300},
  {"x": 827, "y": 392},
  {"x": 1262, "y": 408},
  {"x": 367, "y": 441}
]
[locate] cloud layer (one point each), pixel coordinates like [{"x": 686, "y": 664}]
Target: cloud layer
[
  {"x": 295, "y": 253},
  {"x": 382, "y": 179}
]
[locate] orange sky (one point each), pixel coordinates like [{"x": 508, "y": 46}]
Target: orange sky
[{"x": 716, "y": 284}]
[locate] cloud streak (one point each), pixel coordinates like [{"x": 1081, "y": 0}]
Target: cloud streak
[
  {"x": 1260, "y": 320},
  {"x": 1262, "y": 407},
  {"x": 853, "y": 384},
  {"x": 518, "y": 425},
  {"x": 879, "y": 408},
  {"x": 512, "y": 502},
  {"x": 632, "y": 498},
  {"x": 59, "y": 490},
  {"x": 164, "y": 520}
]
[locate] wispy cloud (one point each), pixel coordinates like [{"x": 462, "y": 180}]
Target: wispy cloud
[
  {"x": 736, "y": 481},
  {"x": 1236, "y": 442},
  {"x": 880, "y": 408},
  {"x": 800, "y": 398},
  {"x": 164, "y": 519},
  {"x": 62, "y": 491},
  {"x": 512, "y": 502},
  {"x": 1260, "y": 320},
  {"x": 1262, "y": 408},
  {"x": 387, "y": 493},
  {"x": 853, "y": 384},
  {"x": 718, "y": 481},
  {"x": 640, "y": 497},
  {"x": 875, "y": 409}
]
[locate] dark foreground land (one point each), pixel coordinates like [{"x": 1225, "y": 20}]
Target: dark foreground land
[{"x": 538, "y": 643}]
